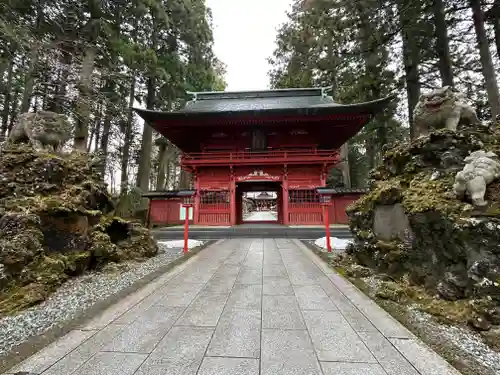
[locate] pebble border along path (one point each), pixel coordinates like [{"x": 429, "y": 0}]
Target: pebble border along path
[
  {"x": 246, "y": 307},
  {"x": 76, "y": 296}
]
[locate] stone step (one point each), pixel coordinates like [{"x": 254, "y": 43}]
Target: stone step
[{"x": 249, "y": 232}]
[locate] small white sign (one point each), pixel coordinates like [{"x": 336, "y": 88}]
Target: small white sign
[{"x": 182, "y": 213}]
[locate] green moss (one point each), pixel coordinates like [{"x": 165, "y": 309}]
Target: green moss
[
  {"x": 43, "y": 193},
  {"x": 385, "y": 192},
  {"x": 77, "y": 263},
  {"x": 493, "y": 211},
  {"x": 20, "y": 298},
  {"x": 341, "y": 270},
  {"x": 48, "y": 270},
  {"x": 392, "y": 291},
  {"x": 102, "y": 249},
  {"x": 424, "y": 195}
]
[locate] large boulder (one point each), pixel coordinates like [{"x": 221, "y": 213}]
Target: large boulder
[
  {"x": 411, "y": 226},
  {"x": 56, "y": 221}
]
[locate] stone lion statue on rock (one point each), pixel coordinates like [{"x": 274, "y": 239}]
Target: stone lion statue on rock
[
  {"x": 442, "y": 108},
  {"x": 42, "y": 129},
  {"x": 481, "y": 169}
]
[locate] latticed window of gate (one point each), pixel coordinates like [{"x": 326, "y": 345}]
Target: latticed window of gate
[
  {"x": 303, "y": 196},
  {"x": 187, "y": 200},
  {"x": 208, "y": 197}
]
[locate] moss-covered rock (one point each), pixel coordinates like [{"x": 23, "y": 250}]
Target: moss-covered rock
[
  {"x": 430, "y": 238},
  {"x": 55, "y": 223}
]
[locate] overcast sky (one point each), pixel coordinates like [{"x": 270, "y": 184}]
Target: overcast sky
[{"x": 244, "y": 35}]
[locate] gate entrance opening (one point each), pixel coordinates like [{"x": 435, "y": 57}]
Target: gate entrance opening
[{"x": 259, "y": 202}]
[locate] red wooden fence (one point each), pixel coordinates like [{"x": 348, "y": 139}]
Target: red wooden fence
[
  {"x": 303, "y": 208},
  {"x": 166, "y": 212}
]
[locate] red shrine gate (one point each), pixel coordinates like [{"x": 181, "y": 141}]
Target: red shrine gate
[{"x": 276, "y": 140}]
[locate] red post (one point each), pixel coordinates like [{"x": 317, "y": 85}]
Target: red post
[
  {"x": 186, "y": 227},
  {"x": 327, "y": 227}
]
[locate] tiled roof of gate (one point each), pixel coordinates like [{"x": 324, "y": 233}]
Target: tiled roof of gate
[
  {"x": 343, "y": 190},
  {"x": 257, "y": 100},
  {"x": 168, "y": 194},
  {"x": 192, "y": 125},
  {"x": 226, "y": 104}
]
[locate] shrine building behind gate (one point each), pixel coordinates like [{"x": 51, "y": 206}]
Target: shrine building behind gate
[{"x": 283, "y": 140}]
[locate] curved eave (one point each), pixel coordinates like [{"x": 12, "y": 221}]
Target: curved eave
[{"x": 204, "y": 117}]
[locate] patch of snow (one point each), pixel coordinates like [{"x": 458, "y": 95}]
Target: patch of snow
[
  {"x": 335, "y": 243},
  {"x": 180, "y": 244}
]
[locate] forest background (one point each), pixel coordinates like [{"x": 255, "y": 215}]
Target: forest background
[{"x": 95, "y": 59}]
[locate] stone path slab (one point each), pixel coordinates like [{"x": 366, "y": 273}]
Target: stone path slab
[{"x": 242, "y": 306}]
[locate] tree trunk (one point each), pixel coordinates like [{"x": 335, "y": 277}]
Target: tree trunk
[
  {"x": 45, "y": 97},
  {"x": 372, "y": 61},
  {"x": 60, "y": 93},
  {"x": 346, "y": 173},
  {"x": 7, "y": 100},
  {"x": 34, "y": 55},
  {"x": 370, "y": 153},
  {"x": 29, "y": 81},
  {"x": 411, "y": 57},
  {"x": 442, "y": 43},
  {"x": 5, "y": 60},
  {"x": 184, "y": 180},
  {"x": 96, "y": 128},
  {"x": 485, "y": 57},
  {"x": 13, "y": 110},
  {"x": 168, "y": 174},
  {"x": 493, "y": 16},
  {"x": 162, "y": 144},
  {"x": 106, "y": 125},
  {"x": 144, "y": 167},
  {"x": 160, "y": 177},
  {"x": 84, "y": 107},
  {"x": 127, "y": 139},
  {"x": 97, "y": 142},
  {"x": 496, "y": 29},
  {"x": 91, "y": 139}
]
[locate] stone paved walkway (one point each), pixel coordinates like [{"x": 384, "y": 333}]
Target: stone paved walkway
[
  {"x": 242, "y": 307},
  {"x": 261, "y": 216}
]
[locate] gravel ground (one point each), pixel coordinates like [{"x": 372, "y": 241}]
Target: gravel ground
[
  {"x": 464, "y": 339},
  {"x": 74, "y": 297}
]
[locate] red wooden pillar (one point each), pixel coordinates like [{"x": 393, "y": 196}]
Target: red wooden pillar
[
  {"x": 279, "y": 205},
  {"x": 323, "y": 175},
  {"x": 197, "y": 197},
  {"x": 285, "y": 199},
  {"x": 232, "y": 201}
]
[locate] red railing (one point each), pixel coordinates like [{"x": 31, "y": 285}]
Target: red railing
[{"x": 241, "y": 157}]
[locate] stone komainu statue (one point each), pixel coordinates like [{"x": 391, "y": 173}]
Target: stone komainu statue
[
  {"x": 481, "y": 169},
  {"x": 442, "y": 108},
  {"x": 42, "y": 129}
]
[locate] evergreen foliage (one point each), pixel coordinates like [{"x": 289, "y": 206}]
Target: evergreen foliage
[
  {"x": 368, "y": 49},
  {"x": 94, "y": 59}
]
